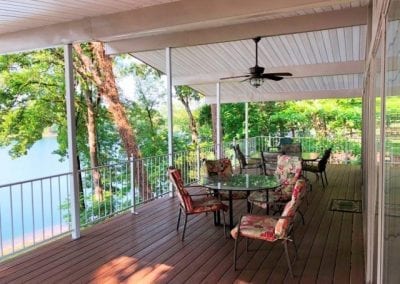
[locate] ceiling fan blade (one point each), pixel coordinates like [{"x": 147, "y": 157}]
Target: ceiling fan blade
[
  {"x": 234, "y": 77},
  {"x": 282, "y": 74},
  {"x": 271, "y": 76}
]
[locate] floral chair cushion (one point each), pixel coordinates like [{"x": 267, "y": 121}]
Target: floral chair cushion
[
  {"x": 221, "y": 167},
  {"x": 288, "y": 171},
  {"x": 207, "y": 204},
  {"x": 256, "y": 227},
  {"x": 282, "y": 225},
  {"x": 183, "y": 194},
  {"x": 298, "y": 190},
  {"x": 264, "y": 227}
]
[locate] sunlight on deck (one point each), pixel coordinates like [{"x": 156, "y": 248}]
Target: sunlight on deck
[{"x": 130, "y": 269}]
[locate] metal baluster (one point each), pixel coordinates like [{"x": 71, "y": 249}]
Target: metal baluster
[
  {"x": 68, "y": 200},
  {"x": 51, "y": 207},
  {"x": 22, "y": 216},
  {"x": 59, "y": 203},
  {"x": 41, "y": 199},
  {"x": 33, "y": 215},
  {"x": 12, "y": 220}
]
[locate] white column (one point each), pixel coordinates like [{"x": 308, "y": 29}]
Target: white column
[
  {"x": 246, "y": 129},
  {"x": 72, "y": 152},
  {"x": 168, "y": 69},
  {"x": 218, "y": 152}
]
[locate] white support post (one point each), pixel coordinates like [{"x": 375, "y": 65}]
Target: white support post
[
  {"x": 72, "y": 152},
  {"x": 169, "y": 110},
  {"x": 246, "y": 128},
  {"x": 218, "y": 150}
]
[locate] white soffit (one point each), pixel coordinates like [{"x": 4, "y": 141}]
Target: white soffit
[
  {"x": 16, "y": 15},
  {"x": 33, "y": 24},
  {"x": 289, "y": 89},
  {"x": 326, "y": 63}
]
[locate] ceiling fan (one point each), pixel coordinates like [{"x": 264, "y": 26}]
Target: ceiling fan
[{"x": 256, "y": 74}]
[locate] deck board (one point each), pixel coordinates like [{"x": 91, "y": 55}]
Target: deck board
[{"x": 146, "y": 248}]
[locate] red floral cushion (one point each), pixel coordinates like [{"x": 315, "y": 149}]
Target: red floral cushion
[
  {"x": 183, "y": 195},
  {"x": 208, "y": 204},
  {"x": 256, "y": 227},
  {"x": 221, "y": 167},
  {"x": 298, "y": 190},
  {"x": 283, "y": 223}
]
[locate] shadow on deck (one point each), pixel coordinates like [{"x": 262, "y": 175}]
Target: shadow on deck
[{"x": 146, "y": 248}]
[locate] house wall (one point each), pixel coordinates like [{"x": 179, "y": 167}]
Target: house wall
[{"x": 381, "y": 169}]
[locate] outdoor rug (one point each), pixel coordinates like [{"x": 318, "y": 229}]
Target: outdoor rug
[{"x": 345, "y": 205}]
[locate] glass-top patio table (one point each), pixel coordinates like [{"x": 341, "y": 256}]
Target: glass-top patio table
[
  {"x": 309, "y": 156},
  {"x": 243, "y": 182}
]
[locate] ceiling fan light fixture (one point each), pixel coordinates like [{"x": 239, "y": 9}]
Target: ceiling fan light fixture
[{"x": 256, "y": 81}]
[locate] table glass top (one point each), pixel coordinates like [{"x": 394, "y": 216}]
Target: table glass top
[
  {"x": 241, "y": 182},
  {"x": 311, "y": 156}
]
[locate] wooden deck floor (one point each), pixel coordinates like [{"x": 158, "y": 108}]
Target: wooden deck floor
[{"x": 146, "y": 248}]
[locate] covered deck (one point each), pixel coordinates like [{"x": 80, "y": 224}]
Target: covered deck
[{"x": 146, "y": 248}]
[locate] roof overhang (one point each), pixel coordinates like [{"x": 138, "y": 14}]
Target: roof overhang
[{"x": 321, "y": 42}]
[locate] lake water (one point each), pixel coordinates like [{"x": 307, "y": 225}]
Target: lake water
[
  {"x": 30, "y": 212},
  {"x": 39, "y": 162}
]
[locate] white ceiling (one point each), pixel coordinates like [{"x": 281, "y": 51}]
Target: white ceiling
[
  {"x": 327, "y": 64},
  {"x": 321, "y": 42},
  {"x": 16, "y": 15}
]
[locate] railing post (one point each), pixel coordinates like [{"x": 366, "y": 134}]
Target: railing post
[
  {"x": 133, "y": 185},
  {"x": 198, "y": 161}
]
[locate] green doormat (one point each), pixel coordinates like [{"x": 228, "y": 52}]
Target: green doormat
[{"x": 345, "y": 205}]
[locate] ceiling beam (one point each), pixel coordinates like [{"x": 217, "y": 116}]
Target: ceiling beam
[
  {"x": 168, "y": 18},
  {"x": 286, "y": 96},
  {"x": 289, "y": 25},
  {"x": 299, "y": 71}
]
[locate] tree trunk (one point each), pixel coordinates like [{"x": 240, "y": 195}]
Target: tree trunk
[
  {"x": 148, "y": 111},
  {"x": 99, "y": 69},
  {"x": 192, "y": 121},
  {"x": 92, "y": 140}
]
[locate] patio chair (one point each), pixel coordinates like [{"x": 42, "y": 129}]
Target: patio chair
[
  {"x": 246, "y": 164},
  {"x": 269, "y": 228},
  {"x": 222, "y": 168},
  {"x": 319, "y": 168},
  {"x": 193, "y": 203},
  {"x": 288, "y": 171},
  {"x": 269, "y": 161},
  {"x": 282, "y": 141},
  {"x": 291, "y": 149}
]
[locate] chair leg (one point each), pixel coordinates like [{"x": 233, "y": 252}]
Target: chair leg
[
  {"x": 235, "y": 253},
  {"x": 326, "y": 179},
  {"x": 322, "y": 178},
  {"x": 184, "y": 228},
  {"x": 179, "y": 218},
  {"x": 223, "y": 216},
  {"x": 288, "y": 258}
]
